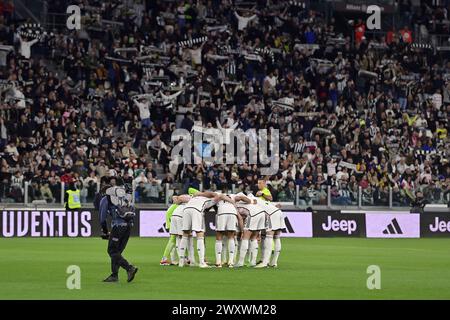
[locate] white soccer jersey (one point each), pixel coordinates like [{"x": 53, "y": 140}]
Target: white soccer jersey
[
  {"x": 178, "y": 212},
  {"x": 224, "y": 207},
  {"x": 268, "y": 207},
  {"x": 249, "y": 209},
  {"x": 226, "y": 217},
  {"x": 200, "y": 203},
  {"x": 255, "y": 215}
]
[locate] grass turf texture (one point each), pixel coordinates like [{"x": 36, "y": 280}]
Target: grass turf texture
[{"x": 318, "y": 268}]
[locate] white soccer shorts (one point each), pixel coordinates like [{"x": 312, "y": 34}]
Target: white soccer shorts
[
  {"x": 193, "y": 220},
  {"x": 226, "y": 222},
  {"x": 176, "y": 225},
  {"x": 256, "y": 222},
  {"x": 275, "y": 221}
]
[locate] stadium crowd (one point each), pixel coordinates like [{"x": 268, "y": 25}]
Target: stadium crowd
[{"x": 353, "y": 108}]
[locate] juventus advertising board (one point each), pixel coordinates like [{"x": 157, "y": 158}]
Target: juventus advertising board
[{"x": 48, "y": 223}]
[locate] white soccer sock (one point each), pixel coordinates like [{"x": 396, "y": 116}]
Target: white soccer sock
[
  {"x": 177, "y": 243},
  {"x": 237, "y": 245},
  {"x": 277, "y": 251},
  {"x": 253, "y": 251},
  {"x": 175, "y": 250},
  {"x": 263, "y": 247},
  {"x": 243, "y": 251},
  {"x": 267, "y": 249},
  {"x": 224, "y": 248},
  {"x": 182, "y": 250},
  {"x": 201, "y": 249},
  {"x": 191, "y": 250},
  {"x": 218, "y": 252},
  {"x": 231, "y": 250}
]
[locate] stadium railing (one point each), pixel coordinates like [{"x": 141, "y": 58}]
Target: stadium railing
[
  {"x": 372, "y": 197},
  {"x": 434, "y": 39},
  {"x": 146, "y": 193},
  {"x": 32, "y": 192}
]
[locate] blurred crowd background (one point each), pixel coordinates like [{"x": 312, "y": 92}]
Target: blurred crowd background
[{"x": 363, "y": 114}]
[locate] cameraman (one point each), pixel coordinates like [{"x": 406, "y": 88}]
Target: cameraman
[
  {"x": 418, "y": 204},
  {"x": 114, "y": 202}
]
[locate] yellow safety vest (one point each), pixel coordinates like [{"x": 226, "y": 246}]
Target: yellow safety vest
[
  {"x": 266, "y": 192},
  {"x": 73, "y": 200}
]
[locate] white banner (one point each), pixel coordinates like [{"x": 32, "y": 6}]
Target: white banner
[{"x": 392, "y": 225}]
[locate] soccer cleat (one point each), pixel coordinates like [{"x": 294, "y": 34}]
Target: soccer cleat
[
  {"x": 251, "y": 265},
  {"x": 174, "y": 263},
  {"x": 273, "y": 265},
  {"x": 111, "y": 278},
  {"x": 204, "y": 265},
  {"x": 261, "y": 265},
  {"x": 217, "y": 265},
  {"x": 230, "y": 265},
  {"x": 164, "y": 262},
  {"x": 238, "y": 265},
  {"x": 131, "y": 273}
]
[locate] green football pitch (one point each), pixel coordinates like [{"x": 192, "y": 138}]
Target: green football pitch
[{"x": 317, "y": 268}]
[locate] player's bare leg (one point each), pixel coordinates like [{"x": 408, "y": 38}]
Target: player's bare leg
[{"x": 219, "y": 247}]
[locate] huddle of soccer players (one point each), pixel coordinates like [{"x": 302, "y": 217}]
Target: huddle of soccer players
[{"x": 240, "y": 221}]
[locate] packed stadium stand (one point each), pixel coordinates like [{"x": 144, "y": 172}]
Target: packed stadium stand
[{"x": 363, "y": 114}]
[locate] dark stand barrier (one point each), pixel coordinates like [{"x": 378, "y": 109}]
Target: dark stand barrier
[
  {"x": 339, "y": 225},
  {"x": 435, "y": 225}
]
